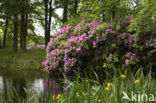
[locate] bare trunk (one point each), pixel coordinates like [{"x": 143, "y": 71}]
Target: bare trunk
[
  {"x": 15, "y": 46},
  {"x": 65, "y": 11},
  {"x": 46, "y": 22},
  {"x": 75, "y": 7},
  {"x": 49, "y": 24},
  {"x": 25, "y": 32},
  {"x": 22, "y": 28},
  {"x": 24, "y": 21},
  {"x": 25, "y": 29},
  {"x": 5, "y": 32}
]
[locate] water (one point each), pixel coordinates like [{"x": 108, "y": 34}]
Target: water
[{"x": 35, "y": 82}]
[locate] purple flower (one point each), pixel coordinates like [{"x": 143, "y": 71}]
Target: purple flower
[
  {"x": 127, "y": 61},
  {"x": 54, "y": 63},
  {"x": 54, "y": 58},
  {"x": 110, "y": 55},
  {"x": 149, "y": 54},
  {"x": 108, "y": 30},
  {"x": 66, "y": 51},
  {"x": 103, "y": 35},
  {"x": 94, "y": 43},
  {"x": 66, "y": 68},
  {"x": 84, "y": 34}
]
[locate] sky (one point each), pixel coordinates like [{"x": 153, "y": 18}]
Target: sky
[{"x": 39, "y": 30}]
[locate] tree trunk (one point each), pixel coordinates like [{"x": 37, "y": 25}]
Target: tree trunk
[
  {"x": 49, "y": 24},
  {"x": 24, "y": 21},
  {"x": 22, "y": 27},
  {"x": 46, "y": 22},
  {"x": 75, "y": 6},
  {"x": 65, "y": 11},
  {"x": 113, "y": 14},
  {"x": 5, "y": 32},
  {"x": 113, "y": 11},
  {"x": 15, "y": 44},
  {"x": 25, "y": 32},
  {"x": 25, "y": 29}
]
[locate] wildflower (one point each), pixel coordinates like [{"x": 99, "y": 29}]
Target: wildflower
[
  {"x": 99, "y": 100},
  {"x": 109, "y": 84},
  {"x": 53, "y": 96},
  {"x": 107, "y": 88},
  {"x": 123, "y": 76},
  {"x": 98, "y": 67},
  {"x": 77, "y": 94},
  {"x": 136, "y": 81},
  {"x": 58, "y": 97}
]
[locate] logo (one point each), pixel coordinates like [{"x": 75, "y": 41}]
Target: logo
[{"x": 138, "y": 97}]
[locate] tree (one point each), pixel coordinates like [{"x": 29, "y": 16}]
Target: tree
[
  {"x": 145, "y": 19},
  {"x": 22, "y": 27},
  {"x": 65, "y": 11},
  {"x": 46, "y": 22},
  {"x": 75, "y": 6},
  {"x": 5, "y": 31},
  {"x": 49, "y": 13},
  {"x": 11, "y": 8},
  {"x": 15, "y": 44},
  {"x": 49, "y": 23},
  {"x": 24, "y": 22},
  {"x": 5, "y": 17}
]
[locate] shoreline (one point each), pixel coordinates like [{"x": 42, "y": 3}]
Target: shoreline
[{"x": 45, "y": 71}]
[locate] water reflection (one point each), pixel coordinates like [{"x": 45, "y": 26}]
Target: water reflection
[
  {"x": 51, "y": 85},
  {"x": 34, "y": 81},
  {"x": 1, "y": 83},
  {"x": 37, "y": 86}
]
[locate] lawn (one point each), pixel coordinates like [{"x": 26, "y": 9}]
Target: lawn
[{"x": 31, "y": 59}]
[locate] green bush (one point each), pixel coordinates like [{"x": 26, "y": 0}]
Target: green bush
[{"x": 93, "y": 43}]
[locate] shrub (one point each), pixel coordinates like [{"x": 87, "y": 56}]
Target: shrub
[{"x": 92, "y": 44}]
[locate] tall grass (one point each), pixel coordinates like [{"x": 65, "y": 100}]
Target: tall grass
[
  {"x": 111, "y": 91},
  {"x": 86, "y": 90}
]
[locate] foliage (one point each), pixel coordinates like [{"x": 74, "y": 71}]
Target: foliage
[
  {"x": 145, "y": 19},
  {"x": 144, "y": 25},
  {"x": 95, "y": 43},
  {"x": 102, "y": 10}
]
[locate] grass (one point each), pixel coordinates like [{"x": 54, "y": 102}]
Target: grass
[
  {"x": 111, "y": 91},
  {"x": 86, "y": 90},
  {"x": 31, "y": 59}
]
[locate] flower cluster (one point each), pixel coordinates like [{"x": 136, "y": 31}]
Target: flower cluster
[
  {"x": 36, "y": 47},
  {"x": 108, "y": 86},
  {"x": 93, "y": 41}
]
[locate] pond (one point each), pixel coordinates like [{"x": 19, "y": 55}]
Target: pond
[{"x": 36, "y": 82}]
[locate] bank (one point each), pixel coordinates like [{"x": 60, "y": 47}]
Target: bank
[{"x": 23, "y": 60}]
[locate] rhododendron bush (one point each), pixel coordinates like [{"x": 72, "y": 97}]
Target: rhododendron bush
[{"x": 92, "y": 43}]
